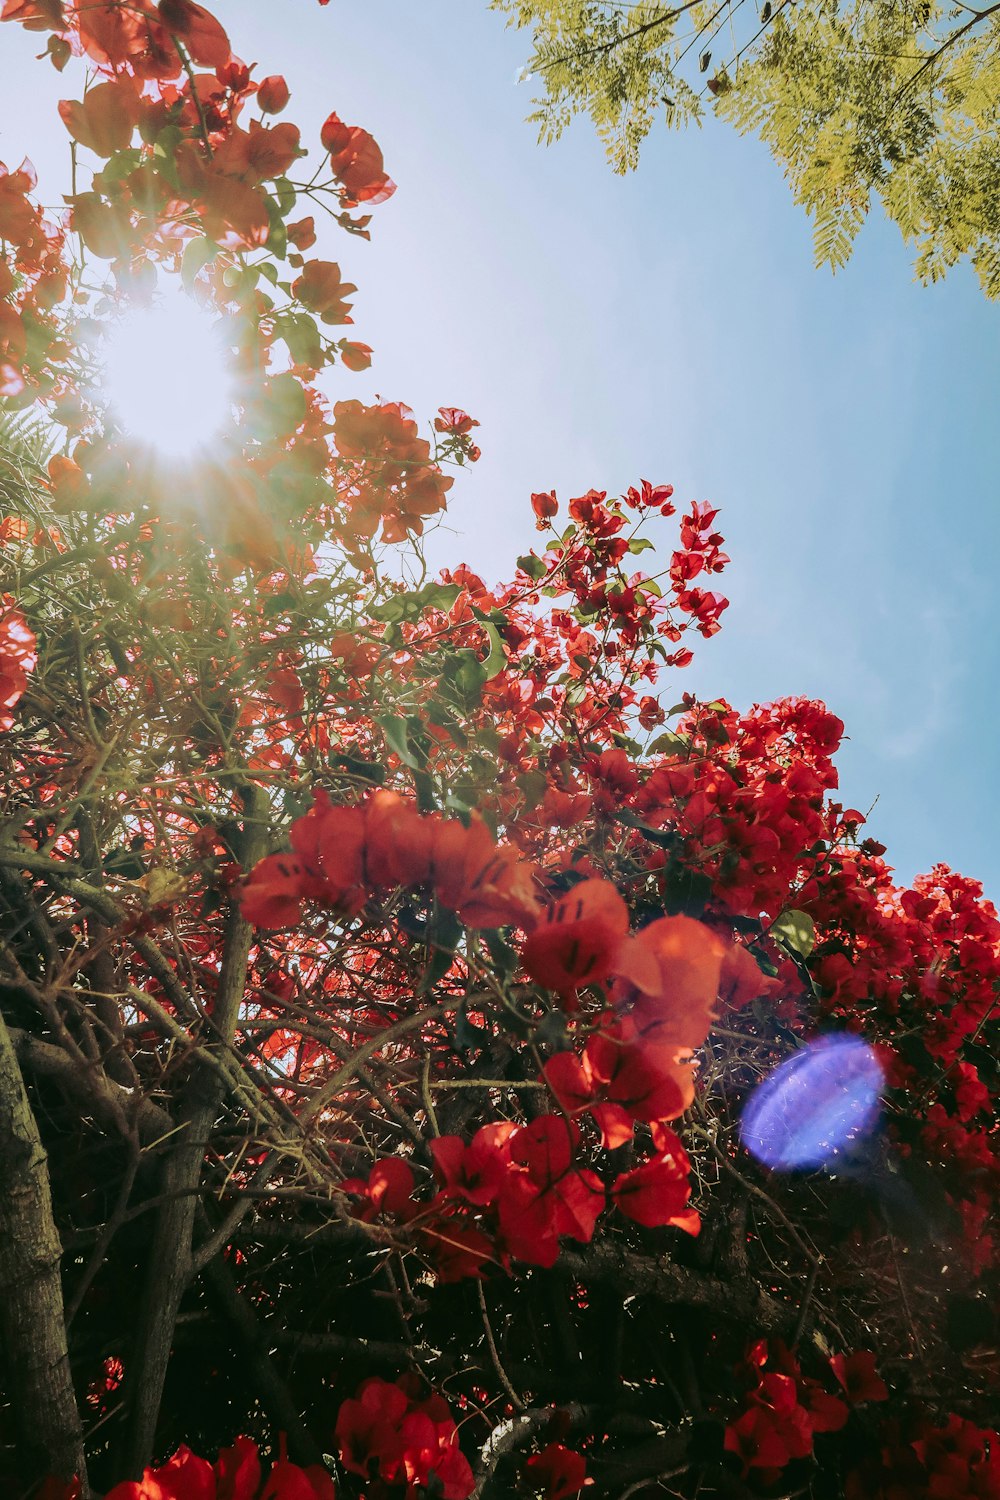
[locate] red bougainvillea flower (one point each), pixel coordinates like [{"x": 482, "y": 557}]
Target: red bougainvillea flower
[
  {"x": 674, "y": 990},
  {"x": 330, "y": 842},
  {"x": 458, "y": 1249},
  {"x": 287, "y": 1481},
  {"x": 356, "y": 162},
  {"x": 185, "y": 1476},
  {"x": 388, "y": 1190},
  {"x": 322, "y": 289},
  {"x": 343, "y": 855},
  {"x": 741, "y": 980},
  {"x": 756, "y": 1441},
  {"x": 453, "y": 419},
  {"x": 857, "y": 1377},
  {"x": 386, "y": 1434},
  {"x": 237, "y": 1475},
  {"x": 578, "y": 939},
  {"x": 473, "y": 1172},
  {"x": 657, "y": 1192},
  {"x": 622, "y": 1077},
  {"x": 272, "y": 896},
  {"x": 545, "y": 507},
  {"x": 238, "y": 1471},
  {"x": 201, "y": 33},
  {"x": 356, "y": 356},
  {"x": 105, "y": 119},
  {"x": 548, "y": 1197},
  {"x": 559, "y": 1470},
  {"x": 272, "y": 94},
  {"x": 17, "y": 658},
  {"x": 487, "y": 885}
]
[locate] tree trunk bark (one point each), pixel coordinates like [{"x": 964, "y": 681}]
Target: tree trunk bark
[{"x": 32, "y": 1324}]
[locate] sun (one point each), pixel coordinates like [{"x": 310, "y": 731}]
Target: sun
[{"x": 166, "y": 377}]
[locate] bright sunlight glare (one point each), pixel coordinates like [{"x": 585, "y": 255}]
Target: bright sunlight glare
[{"x": 166, "y": 376}]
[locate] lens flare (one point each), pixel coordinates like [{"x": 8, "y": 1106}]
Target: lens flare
[
  {"x": 816, "y": 1105},
  {"x": 166, "y": 378}
]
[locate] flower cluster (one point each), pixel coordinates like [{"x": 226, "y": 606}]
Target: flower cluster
[
  {"x": 343, "y": 855},
  {"x": 954, "y": 1461},
  {"x": 237, "y": 1474},
  {"x": 786, "y": 1409},
  {"x": 403, "y": 1443},
  {"x": 391, "y": 476},
  {"x": 17, "y": 659}
]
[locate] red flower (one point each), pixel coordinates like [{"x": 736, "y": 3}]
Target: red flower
[
  {"x": 755, "y": 1439},
  {"x": 272, "y": 94},
  {"x": 17, "y": 658},
  {"x": 201, "y": 33},
  {"x": 356, "y": 356},
  {"x": 473, "y": 1172},
  {"x": 578, "y": 939},
  {"x": 356, "y": 161},
  {"x": 657, "y": 1192},
  {"x": 321, "y": 289},
  {"x": 487, "y": 885},
  {"x": 287, "y": 1481},
  {"x": 452, "y": 419},
  {"x": 549, "y": 1197},
  {"x": 545, "y": 506},
  {"x": 559, "y": 1469},
  {"x": 857, "y": 1377},
  {"x": 302, "y": 234},
  {"x": 675, "y": 987},
  {"x": 388, "y": 1190},
  {"x": 105, "y": 119},
  {"x": 386, "y": 1434},
  {"x": 238, "y": 1471},
  {"x": 185, "y": 1476}
]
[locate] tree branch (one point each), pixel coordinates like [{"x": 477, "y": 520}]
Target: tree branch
[{"x": 170, "y": 1262}]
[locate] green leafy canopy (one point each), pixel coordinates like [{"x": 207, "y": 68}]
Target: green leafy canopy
[{"x": 897, "y": 100}]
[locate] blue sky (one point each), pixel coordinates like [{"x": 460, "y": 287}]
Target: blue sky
[{"x": 671, "y": 326}]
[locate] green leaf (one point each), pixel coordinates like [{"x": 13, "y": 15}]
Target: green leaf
[
  {"x": 465, "y": 672},
  {"x": 281, "y": 408},
  {"x": 301, "y": 333},
  {"x": 668, "y": 744},
  {"x": 410, "y": 604},
  {"x": 197, "y": 255},
  {"x": 277, "y": 237},
  {"x": 532, "y": 785},
  {"x": 296, "y": 801},
  {"x": 496, "y": 658},
  {"x": 641, "y": 544},
  {"x": 532, "y": 565},
  {"x": 364, "y": 770},
  {"x": 503, "y": 955},
  {"x": 797, "y": 931},
  {"x": 397, "y": 735},
  {"x": 285, "y": 194}
]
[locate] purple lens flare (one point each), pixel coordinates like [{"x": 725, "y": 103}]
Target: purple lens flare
[{"x": 815, "y": 1106}]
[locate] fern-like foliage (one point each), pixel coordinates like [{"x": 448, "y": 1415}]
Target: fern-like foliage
[{"x": 894, "y": 100}]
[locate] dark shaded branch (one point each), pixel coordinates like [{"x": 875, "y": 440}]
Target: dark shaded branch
[
  {"x": 741, "y": 1300},
  {"x": 170, "y": 1262},
  {"x": 268, "y": 1384},
  {"x": 90, "y": 1089}
]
